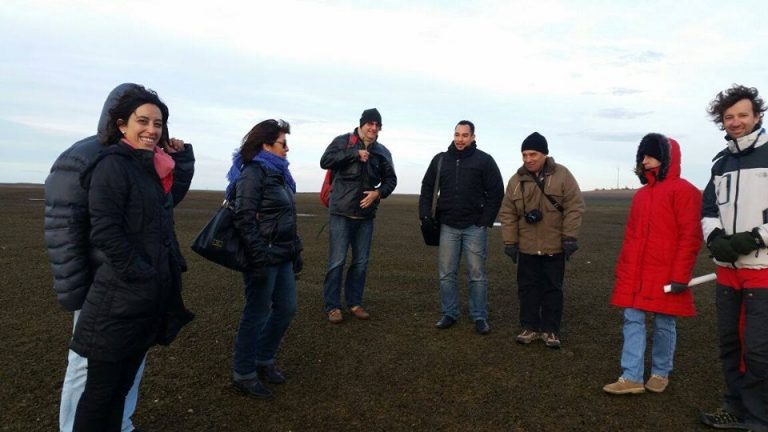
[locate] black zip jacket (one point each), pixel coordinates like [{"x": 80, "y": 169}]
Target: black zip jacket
[
  {"x": 351, "y": 177},
  {"x": 471, "y": 188},
  {"x": 134, "y": 301},
  {"x": 265, "y": 216}
]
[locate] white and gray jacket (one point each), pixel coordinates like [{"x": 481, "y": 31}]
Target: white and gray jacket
[{"x": 736, "y": 197}]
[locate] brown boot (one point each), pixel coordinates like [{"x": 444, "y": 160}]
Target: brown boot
[
  {"x": 334, "y": 316},
  {"x": 359, "y": 312}
]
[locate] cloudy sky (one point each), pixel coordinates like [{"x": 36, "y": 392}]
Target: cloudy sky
[{"x": 592, "y": 76}]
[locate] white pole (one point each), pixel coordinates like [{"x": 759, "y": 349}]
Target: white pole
[{"x": 694, "y": 281}]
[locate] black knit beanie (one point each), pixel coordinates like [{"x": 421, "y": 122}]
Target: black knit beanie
[
  {"x": 371, "y": 114},
  {"x": 537, "y": 142}
]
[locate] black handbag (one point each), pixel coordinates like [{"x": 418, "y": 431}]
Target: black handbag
[
  {"x": 431, "y": 231},
  {"x": 219, "y": 242}
]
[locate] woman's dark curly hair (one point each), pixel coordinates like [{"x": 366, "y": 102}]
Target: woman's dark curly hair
[
  {"x": 127, "y": 105},
  {"x": 729, "y": 97},
  {"x": 266, "y": 132}
]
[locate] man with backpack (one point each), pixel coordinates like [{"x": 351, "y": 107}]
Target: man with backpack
[{"x": 362, "y": 175}]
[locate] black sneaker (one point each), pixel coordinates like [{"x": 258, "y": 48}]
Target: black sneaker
[
  {"x": 445, "y": 322},
  {"x": 253, "y": 388},
  {"x": 482, "y": 327},
  {"x": 722, "y": 419},
  {"x": 270, "y": 374}
]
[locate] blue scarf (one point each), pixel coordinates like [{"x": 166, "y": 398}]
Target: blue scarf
[{"x": 269, "y": 160}]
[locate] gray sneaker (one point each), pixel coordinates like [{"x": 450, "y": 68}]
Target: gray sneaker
[
  {"x": 527, "y": 336},
  {"x": 551, "y": 340}
]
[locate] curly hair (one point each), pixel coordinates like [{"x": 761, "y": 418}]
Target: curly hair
[
  {"x": 729, "y": 97},
  {"x": 266, "y": 132},
  {"x": 127, "y": 104}
]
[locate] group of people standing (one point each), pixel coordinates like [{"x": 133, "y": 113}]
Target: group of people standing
[
  {"x": 117, "y": 265},
  {"x": 668, "y": 221}
]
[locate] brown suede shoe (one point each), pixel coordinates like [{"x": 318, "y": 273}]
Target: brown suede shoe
[
  {"x": 657, "y": 383},
  {"x": 334, "y": 316},
  {"x": 623, "y": 386},
  {"x": 359, "y": 312}
]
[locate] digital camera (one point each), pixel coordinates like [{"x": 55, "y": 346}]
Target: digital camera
[{"x": 534, "y": 216}]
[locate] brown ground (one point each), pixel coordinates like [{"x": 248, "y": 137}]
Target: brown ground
[{"x": 395, "y": 372}]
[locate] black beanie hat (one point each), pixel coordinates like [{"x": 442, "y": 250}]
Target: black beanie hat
[
  {"x": 371, "y": 114},
  {"x": 535, "y": 141},
  {"x": 653, "y": 145}
]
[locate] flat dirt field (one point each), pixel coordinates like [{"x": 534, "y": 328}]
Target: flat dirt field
[{"x": 395, "y": 372}]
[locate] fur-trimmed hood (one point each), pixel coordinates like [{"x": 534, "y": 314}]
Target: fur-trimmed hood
[{"x": 666, "y": 150}]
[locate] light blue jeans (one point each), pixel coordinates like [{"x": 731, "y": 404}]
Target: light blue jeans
[
  {"x": 472, "y": 242},
  {"x": 662, "y": 352},
  {"x": 74, "y": 384}
]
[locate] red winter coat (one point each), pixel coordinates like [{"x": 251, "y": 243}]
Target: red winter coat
[{"x": 661, "y": 241}]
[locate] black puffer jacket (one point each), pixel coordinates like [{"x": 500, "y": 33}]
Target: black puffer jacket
[
  {"x": 67, "y": 224},
  {"x": 351, "y": 177},
  {"x": 265, "y": 216},
  {"x": 66, "y": 214},
  {"x": 471, "y": 188},
  {"x": 135, "y": 299}
]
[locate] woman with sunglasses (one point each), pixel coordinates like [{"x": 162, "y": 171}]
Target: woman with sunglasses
[{"x": 265, "y": 217}]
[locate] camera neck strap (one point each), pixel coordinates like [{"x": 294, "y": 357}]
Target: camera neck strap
[{"x": 540, "y": 184}]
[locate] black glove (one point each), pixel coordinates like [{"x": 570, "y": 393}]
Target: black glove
[
  {"x": 428, "y": 222},
  {"x": 298, "y": 264},
  {"x": 512, "y": 251},
  {"x": 747, "y": 241},
  {"x": 676, "y": 287},
  {"x": 720, "y": 246},
  {"x": 570, "y": 245}
]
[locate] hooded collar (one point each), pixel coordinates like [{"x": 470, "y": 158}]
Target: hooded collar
[{"x": 671, "y": 161}]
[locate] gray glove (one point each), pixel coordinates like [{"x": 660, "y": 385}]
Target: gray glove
[{"x": 570, "y": 245}]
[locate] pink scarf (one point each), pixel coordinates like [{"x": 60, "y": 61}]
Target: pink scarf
[{"x": 164, "y": 165}]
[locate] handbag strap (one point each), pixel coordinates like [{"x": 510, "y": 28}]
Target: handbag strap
[
  {"x": 556, "y": 204},
  {"x": 437, "y": 185}
]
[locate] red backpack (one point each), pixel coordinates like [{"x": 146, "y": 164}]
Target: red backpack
[{"x": 325, "y": 190}]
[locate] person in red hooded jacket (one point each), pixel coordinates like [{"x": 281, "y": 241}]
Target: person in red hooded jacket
[{"x": 661, "y": 241}]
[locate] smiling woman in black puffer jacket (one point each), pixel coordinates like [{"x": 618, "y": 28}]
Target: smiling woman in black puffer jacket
[{"x": 135, "y": 299}]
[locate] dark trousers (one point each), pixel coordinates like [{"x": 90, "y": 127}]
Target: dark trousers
[
  {"x": 746, "y": 392},
  {"x": 101, "y": 406},
  {"x": 540, "y": 291}
]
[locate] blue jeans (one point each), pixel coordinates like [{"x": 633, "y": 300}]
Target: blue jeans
[
  {"x": 74, "y": 384},
  {"x": 473, "y": 243},
  {"x": 270, "y": 305},
  {"x": 633, "y": 353},
  {"x": 346, "y": 232}
]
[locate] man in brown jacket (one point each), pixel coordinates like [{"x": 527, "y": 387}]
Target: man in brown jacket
[{"x": 540, "y": 220}]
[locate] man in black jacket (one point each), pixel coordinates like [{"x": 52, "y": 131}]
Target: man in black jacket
[
  {"x": 470, "y": 192},
  {"x": 363, "y": 174},
  {"x": 67, "y": 229}
]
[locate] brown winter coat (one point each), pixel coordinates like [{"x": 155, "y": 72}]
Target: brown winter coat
[{"x": 523, "y": 195}]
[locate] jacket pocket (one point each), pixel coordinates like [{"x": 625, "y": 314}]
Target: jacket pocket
[{"x": 134, "y": 299}]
